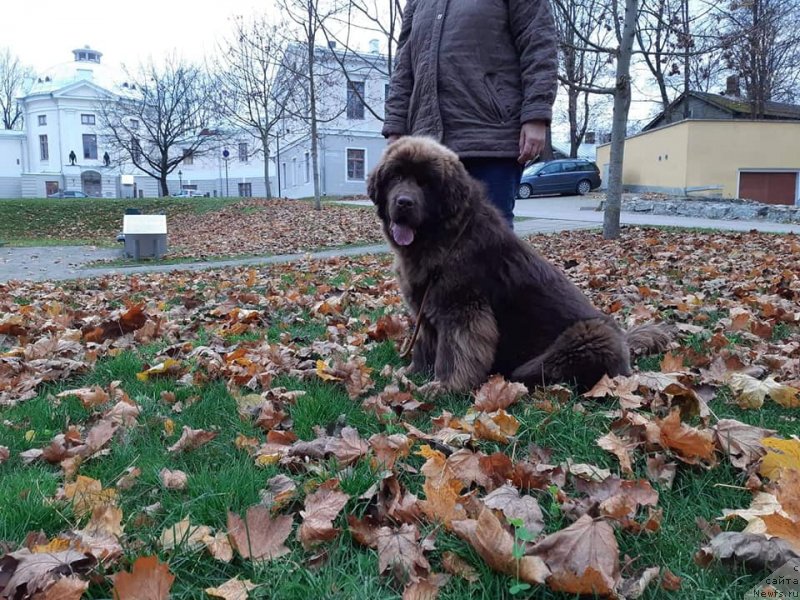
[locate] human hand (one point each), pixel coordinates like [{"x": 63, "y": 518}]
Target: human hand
[{"x": 531, "y": 140}]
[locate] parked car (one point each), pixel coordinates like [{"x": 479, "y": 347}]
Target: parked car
[
  {"x": 69, "y": 194},
  {"x": 561, "y": 176},
  {"x": 188, "y": 194}
]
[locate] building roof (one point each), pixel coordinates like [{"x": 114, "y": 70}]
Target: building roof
[
  {"x": 85, "y": 66},
  {"x": 738, "y": 107}
]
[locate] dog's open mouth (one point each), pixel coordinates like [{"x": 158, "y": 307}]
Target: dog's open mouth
[{"x": 403, "y": 235}]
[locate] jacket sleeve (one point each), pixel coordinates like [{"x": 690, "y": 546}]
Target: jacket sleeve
[
  {"x": 534, "y": 33},
  {"x": 402, "y": 81}
]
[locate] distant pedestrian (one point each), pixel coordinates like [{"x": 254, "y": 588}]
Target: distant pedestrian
[{"x": 480, "y": 76}]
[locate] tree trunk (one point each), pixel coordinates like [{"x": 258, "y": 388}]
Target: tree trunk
[
  {"x": 162, "y": 183},
  {"x": 314, "y": 141},
  {"x": 267, "y": 189},
  {"x": 572, "y": 112},
  {"x": 622, "y": 103}
]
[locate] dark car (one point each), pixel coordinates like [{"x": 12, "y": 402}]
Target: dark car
[
  {"x": 68, "y": 194},
  {"x": 562, "y": 176}
]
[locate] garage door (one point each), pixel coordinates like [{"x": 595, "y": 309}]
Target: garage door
[{"x": 772, "y": 188}]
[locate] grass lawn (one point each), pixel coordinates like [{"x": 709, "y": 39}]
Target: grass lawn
[
  {"x": 79, "y": 221},
  {"x": 241, "y": 331}
]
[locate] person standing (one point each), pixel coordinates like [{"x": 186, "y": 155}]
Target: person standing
[{"x": 480, "y": 76}]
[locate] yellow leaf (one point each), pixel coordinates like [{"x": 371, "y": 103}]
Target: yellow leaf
[
  {"x": 781, "y": 454},
  {"x": 53, "y": 546},
  {"x": 322, "y": 372},
  {"x": 169, "y": 427},
  {"x": 159, "y": 369},
  {"x": 30, "y": 435},
  {"x": 87, "y": 494},
  {"x": 264, "y": 460}
]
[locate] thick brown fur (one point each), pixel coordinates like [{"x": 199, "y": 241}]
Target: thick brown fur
[{"x": 494, "y": 304}]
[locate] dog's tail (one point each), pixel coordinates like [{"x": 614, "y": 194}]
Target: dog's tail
[{"x": 651, "y": 338}]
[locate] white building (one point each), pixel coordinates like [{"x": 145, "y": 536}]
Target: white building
[
  {"x": 62, "y": 123},
  {"x": 349, "y": 134}
]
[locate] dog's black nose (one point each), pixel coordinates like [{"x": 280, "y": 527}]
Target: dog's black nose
[{"x": 404, "y": 202}]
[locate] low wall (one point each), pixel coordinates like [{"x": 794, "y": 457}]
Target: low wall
[{"x": 734, "y": 209}]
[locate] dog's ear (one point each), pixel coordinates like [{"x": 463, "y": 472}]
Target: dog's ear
[
  {"x": 376, "y": 182},
  {"x": 457, "y": 188}
]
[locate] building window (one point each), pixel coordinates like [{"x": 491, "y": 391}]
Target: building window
[
  {"x": 87, "y": 119},
  {"x": 355, "y": 99},
  {"x": 308, "y": 167},
  {"x": 44, "y": 151},
  {"x": 134, "y": 124},
  {"x": 89, "y": 145},
  {"x": 188, "y": 156},
  {"x": 136, "y": 150},
  {"x": 42, "y": 119},
  {"x": 245, "y": 190},
  {"x": 242, "y": 151},
  {"x": 295, "y": 177},
  {"x": 283, "y": 168},
  {"x": 356, "y": 159}
]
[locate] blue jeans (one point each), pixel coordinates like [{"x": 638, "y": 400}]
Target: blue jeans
[{"x": 501, "y": 178}]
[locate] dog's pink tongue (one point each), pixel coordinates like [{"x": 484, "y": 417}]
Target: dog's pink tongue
[{"x": 402, "y": 234}]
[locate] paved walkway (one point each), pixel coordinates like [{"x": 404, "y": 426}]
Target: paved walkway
[{"x": 545, "y": 215}]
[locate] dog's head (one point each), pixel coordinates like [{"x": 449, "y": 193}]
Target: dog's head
[{"x": 419, "y": 188}]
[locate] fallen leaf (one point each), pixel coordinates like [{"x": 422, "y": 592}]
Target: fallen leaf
[
  {"x": 219, "y": 546},
  {"x": 427, "y": 588},
  {"x": 498, "y": 393},
  {"x": 400, "y": 550},
  {"x": 184, "y": 534},
  {"x": 23, "y": 573},
  {"x": 660, "y": 470},
  {"x": 495, "y": 545},
  {"x": 583, "y": 558},
  {"x": 741, "y": 442},
  {"x": 280, "y": 489},
  {"x": 750, "y": 549},
  {"x": 635, "y": 587},
  {"x": 455, "y": 565},
  {"x": 191, "y": 439},
  {"x": 751, "y": 392},
  {"x": 691, "y": 445},
  {"x": 66, "y": 588},
  {"x": 86, "y": 494},
  {"x": 233, "y": 589},
  {"x": 349, "y": 447},
  {"x": 670, "y": 581},
  {"x": 619, "y": 448},
  {"x": 89, "y": 397},
  {"x": 321, "y": 508},
  {"x": 507, "y": 499},
  {"x": 148, "y": 580},
  {"x": 173, "y": 480},
  {"x": 259, "y": 536},
  {"x": 781, "y": 454}
]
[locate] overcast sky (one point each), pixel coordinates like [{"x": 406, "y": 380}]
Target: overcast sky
[{"x": 44, "y": 32}]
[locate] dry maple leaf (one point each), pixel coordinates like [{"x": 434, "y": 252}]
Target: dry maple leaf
[
  {"x": 191, "y": 439},
  {"x": 624, "y": 388},
  {"x": 364, "y": 531},
  {"x": 173, "y": 479},
  {"x": 86, "y": 494},
  {"x": 66, "y": 588},
  {"x": 400, "y": 551},
  {"x": 619, "y": 448},
  {"x": 583, "y": 558},
  {"x": 781, "y": 454},
  {"x": 788, "y": 491},
  {"x": 349, "y": 447},
  {"x": 497, "y": 427},
  {"x": 691, "y": 445},
  {"x": 498, "y": 393},
  {"x": 427, "y": 588},
  {"x": 661, "y": 470},
  {"x": 670, "y": 581},
  {"x": 184, "y": 534},
  {"x": 148, "y": 580},
  {"x": 784, "y": 528},
  {"x": 751, "y": 392},
  {"x": 753, "y": 550},
  {"x": 24, "y": 573},
  {"x": 5, "y": 453},
  {"x": 128, "y": 480},
  {"x": 389, "y": 448},
  {"x": 321, "y": 508},
  {"x": 259, "y": 536},
  {"x": 741, "y": 442},
  {"x": 525, "y": 508},
  {"x": 89, "y": 397},
  {"x": 219, "y": 546},
  {"x": 233, "y": 589},
  {"x": 280, "y": 489},
  {"x": 635, "y": 586},
  {"x": 455, "y": 565},
  {"x": 495, "y": 545}
]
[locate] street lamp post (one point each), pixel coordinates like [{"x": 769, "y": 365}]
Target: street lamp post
[
  {"x": 225, "y": 156},
  {"x": 180, "y": 178}
]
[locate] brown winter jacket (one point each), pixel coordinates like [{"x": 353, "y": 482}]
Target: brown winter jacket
[{"x": 470, "y": 72}]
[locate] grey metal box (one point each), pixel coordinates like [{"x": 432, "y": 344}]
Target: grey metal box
[{"x": 145, "y": 236}]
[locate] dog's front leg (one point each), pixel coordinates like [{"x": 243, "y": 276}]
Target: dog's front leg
[
  {"x": 423, "y": 356},
  {"x": 465, "y": 349}
]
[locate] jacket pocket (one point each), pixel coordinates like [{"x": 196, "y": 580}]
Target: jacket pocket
[{"x": 500, "y": 113}]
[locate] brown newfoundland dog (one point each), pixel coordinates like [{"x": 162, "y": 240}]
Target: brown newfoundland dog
[{"x": 484, "y": 300}]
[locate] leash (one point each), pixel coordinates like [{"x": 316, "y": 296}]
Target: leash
[{"x": 405, "y": 350}]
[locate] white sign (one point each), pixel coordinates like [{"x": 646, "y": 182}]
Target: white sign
[
  {"x": 126, "y": 179},
  {"x": 144, "y": 224}
]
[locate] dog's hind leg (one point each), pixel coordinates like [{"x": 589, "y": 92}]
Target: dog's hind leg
[
  {"x": 466, "y": 346},
  {"x": 582, "y": 354}
]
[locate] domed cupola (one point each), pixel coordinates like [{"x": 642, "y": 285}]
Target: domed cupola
[{"x": 86, "y": 54}]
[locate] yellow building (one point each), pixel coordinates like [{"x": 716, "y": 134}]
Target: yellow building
[{"x": 732, "y": 158}]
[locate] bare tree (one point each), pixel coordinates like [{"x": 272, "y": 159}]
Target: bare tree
[
  {"x": 251, "y": 96},
  {"x": 619, "y": 16},
  {"x": 13, "y": 77},
  {"x": 762, "y": 46},
  {"x": 164, "y": 114},
  {"x": 309, "y": 17},
  {"x": 581, "y": 68},
  {"x": 382, "y": 18}
]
